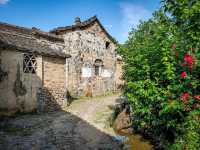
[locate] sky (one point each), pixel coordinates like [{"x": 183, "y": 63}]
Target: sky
[{"x": 117, "y": 16}]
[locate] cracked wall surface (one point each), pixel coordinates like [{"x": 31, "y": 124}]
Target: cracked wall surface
[
  {"x": 3, "y": 74},
  {"x": 18, "y": 90},
  {"x": 27, "y": 92}
]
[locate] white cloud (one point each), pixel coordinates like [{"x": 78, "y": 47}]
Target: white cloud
[
  {"x": 131, "y": 16},
  {"x": 108, "y": 26},
  {"x": 3, "y": 1}
]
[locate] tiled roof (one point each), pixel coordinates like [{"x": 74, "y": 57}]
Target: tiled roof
[
  {"x": 81, "y": 25},
  {"x": 73, "y": 27},
  {"x": 29, "y": 40}
]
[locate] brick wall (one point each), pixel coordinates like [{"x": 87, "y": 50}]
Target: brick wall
[{"x": 52, "y": 95}]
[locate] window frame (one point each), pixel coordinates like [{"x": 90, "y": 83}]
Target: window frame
[
  {"x": 98, "y": 64},
  {"x": 97, "y": 70},
  {"x": 29, "y": 63}
]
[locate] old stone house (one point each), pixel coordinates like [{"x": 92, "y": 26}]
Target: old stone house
[{"x": 41, "y": 70}]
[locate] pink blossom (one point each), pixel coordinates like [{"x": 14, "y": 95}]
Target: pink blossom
[{"x": 183, "y": 74}]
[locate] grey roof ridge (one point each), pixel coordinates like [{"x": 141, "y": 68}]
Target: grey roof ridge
[
  {"x": 18, "y": 34},
  {"x": 33, "y": 31},
  {"x": 31, "y": 37},
  {"x": 83, "y": 24}
]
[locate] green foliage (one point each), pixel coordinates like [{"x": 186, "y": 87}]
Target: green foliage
[
  {"x": 186, "y": 15},
  {"x": 190, "y": 129},
  {"x": 162, "y": 74}
]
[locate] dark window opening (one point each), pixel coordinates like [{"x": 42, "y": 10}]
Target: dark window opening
[
  {"x": 97, "y": 70},
  {"x": 107, "y": 45},
  {"x": 29, "y": 63}
]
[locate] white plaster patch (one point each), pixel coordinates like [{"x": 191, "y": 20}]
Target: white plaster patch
[
  {"x": 86, "y": 72},
  {"x": 106, "y": 73}
]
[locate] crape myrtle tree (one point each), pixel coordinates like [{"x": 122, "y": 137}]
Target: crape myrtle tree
[{"x": 162, "y": 75}]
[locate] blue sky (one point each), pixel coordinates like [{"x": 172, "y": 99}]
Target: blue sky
[{"x": 117, "y": 16}]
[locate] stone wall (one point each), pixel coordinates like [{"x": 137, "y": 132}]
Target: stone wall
[
  {"x": 119, "y": 75},
  {"x": 86, "y": 46}
]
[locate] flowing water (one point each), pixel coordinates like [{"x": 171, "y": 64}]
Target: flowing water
[{"x": 135, "y": 141}]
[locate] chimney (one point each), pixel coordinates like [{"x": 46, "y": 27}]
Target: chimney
[
  {"x": 35, "y": 29},
  {"x": 77, "y": 21}
]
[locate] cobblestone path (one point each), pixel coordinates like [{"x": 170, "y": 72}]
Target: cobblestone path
[{"x": 81, "y": 126}]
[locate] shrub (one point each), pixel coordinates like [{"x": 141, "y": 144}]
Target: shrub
[{"x": 162, "y": 75}]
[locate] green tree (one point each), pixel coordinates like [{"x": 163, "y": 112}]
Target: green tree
[
  {"x": 186, "y": 15},
  {"x": 162, "y": 79}
]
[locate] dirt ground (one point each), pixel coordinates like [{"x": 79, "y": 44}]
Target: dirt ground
[{"x": 81, "y": 126}]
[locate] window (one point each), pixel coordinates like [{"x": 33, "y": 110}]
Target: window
[
  {"x": 107, "y": 45},
  {"x": 97, "y": 67},
  {"x": 97, "y": 70},
  {"x": 29, "y": 63}
]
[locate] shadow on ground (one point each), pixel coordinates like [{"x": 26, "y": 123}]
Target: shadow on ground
[
  {"x": 52, "y": 128},
  {"x": 53, "y": 131}
]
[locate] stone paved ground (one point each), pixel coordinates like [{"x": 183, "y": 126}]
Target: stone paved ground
[{"x": 82, "y": 126}]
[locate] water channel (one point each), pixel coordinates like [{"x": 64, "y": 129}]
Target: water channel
[{"x": 134, "y": 141}]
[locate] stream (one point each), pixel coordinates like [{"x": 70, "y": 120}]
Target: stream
[
  {"x": 122, "y": 127},
  {"x": 135, "y": 141}
]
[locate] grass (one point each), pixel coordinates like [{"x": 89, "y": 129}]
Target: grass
[
  {"x": 98, "y": 96},
  {"x": 76, "y": 103},
  {"x": 104, "y": 117}
]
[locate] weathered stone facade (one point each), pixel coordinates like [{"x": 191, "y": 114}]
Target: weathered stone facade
[
  {"x": 36, "y": 73},
  {"x": 87, "y": 42},
  {"x": 85, "y": 49}
]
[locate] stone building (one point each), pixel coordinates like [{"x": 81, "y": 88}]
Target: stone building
[
  {"x": 42, "y": 70},
  {"x": 92, "y": 69}
]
